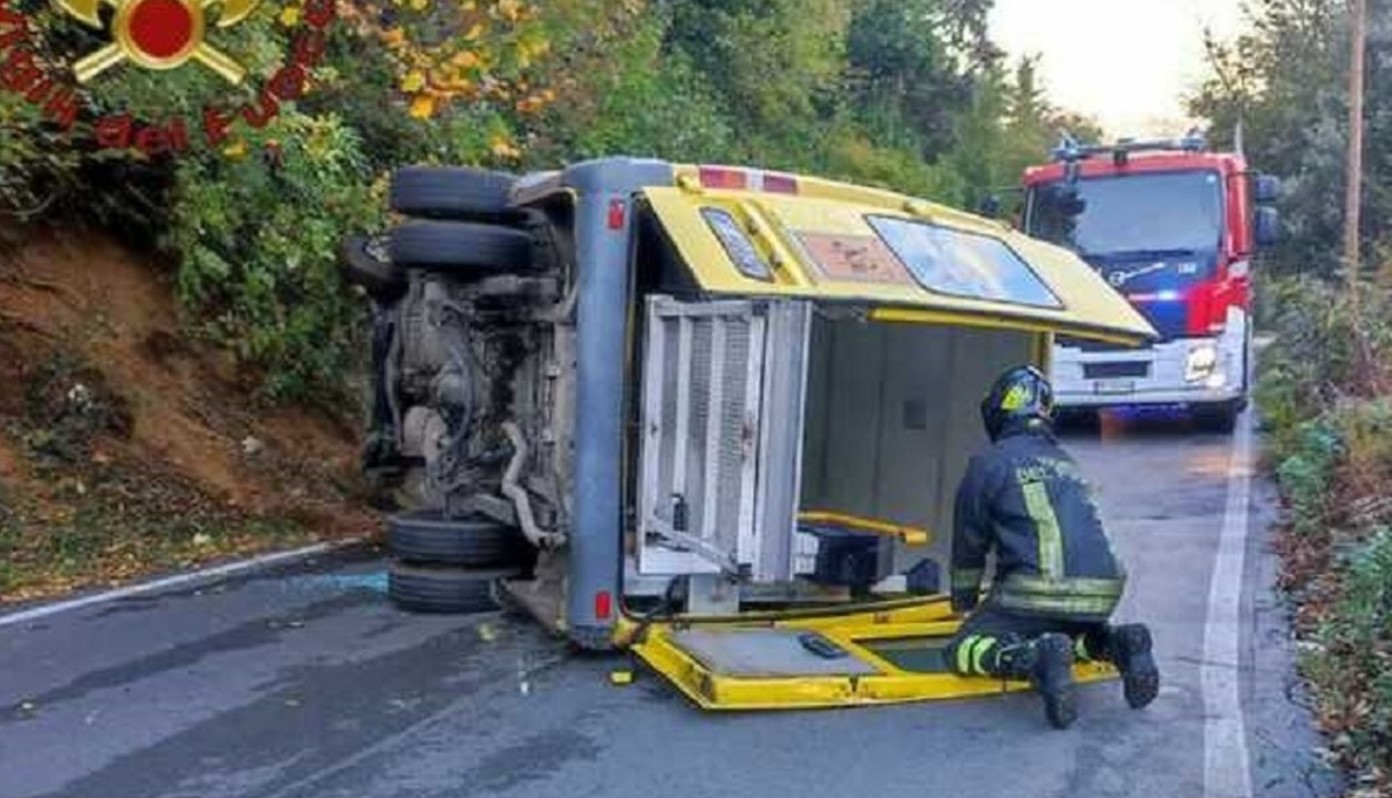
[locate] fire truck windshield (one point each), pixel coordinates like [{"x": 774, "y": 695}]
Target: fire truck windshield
[{"x": 1176, "y": 212}]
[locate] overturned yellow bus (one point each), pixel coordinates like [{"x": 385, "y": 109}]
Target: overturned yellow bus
[{"x": 712, "y": 415}]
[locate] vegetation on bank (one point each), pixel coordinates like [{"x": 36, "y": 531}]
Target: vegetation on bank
[{"x": 1324, "y": 394}]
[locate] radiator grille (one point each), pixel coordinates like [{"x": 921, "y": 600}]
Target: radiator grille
[{"x": 1115, "y": 369}]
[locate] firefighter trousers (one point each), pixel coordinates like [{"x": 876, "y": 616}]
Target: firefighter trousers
[{"x": 976, "y": 648}]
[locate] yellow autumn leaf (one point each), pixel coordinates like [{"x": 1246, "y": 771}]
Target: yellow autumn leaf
[
  {"x": 419, "y": 5},
  {"x": 290, "y": 16},
  {"x": 423, "y": 107},
  {"x": 474, "y": 32},
  {"x": 465, "y": 60},
  {"x": 394, "y": 37},
  {"x": 413, "y": 82},
  {"x": 502, "y": 148},
  {"x": 510, "y": 9},
  {"x": 236, "y": 149}
]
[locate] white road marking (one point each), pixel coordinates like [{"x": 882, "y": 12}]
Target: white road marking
[
  {"x": 1226, "y": 767},
  {"x": 193, "y": 577}
]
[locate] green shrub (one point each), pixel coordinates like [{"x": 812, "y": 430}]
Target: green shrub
[
  {"x": 1355, "y": 647},
  {"x": 258, "y": 237},
  {"x": 1305, "y": 474}
]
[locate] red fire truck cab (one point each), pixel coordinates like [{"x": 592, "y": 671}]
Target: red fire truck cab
[{"x": 1173, "y": 227}]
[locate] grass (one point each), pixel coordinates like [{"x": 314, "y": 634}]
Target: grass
[{"x": 102, "y": 529}]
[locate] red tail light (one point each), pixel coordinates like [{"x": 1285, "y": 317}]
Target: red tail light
[
  {"x": 616, "y": 214},
  {"x": 715, "y": 177},
  {"x": 603, "y": 605},
  {"x": 747, "y": 179},
  {"x": 780, "y": 184}
]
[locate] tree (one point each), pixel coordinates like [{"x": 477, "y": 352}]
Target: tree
[{"x": 1284, "y": 78}]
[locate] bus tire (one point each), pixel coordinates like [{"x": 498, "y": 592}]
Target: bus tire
[
  {"x": 461, "y": 247},
  {"x": 426, "y": 537},
  {"x": 363, "y": 261},
  {"x": 417, "y": 588},
  {"x": 451, "y": 192}
]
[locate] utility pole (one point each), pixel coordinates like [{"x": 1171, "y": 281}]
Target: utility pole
[{"x": 1353, "y": 200}]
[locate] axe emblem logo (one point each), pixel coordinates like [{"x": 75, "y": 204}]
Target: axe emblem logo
[{"x": 159, "y": 34}]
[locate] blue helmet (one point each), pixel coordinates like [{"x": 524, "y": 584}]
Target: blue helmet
[{"x": 1022, "y": 393}]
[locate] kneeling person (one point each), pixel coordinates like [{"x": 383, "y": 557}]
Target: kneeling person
[{"x": 1057, "y": 580}]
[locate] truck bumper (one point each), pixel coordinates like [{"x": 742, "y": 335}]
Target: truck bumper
[{"x": 1161, "y": 375}]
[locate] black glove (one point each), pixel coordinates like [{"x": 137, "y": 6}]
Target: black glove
[{"x": 964, "y": 601}]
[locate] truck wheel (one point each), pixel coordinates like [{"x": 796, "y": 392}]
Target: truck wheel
[
  {"x": 1220, "y": 419},
  {"x": 426, "y": 536},
  {"x": 444, "y": 590},
  {"x": 363, "y": 260},
  {"x": 1078, "y": 419},
  {"x": 461, "y": 247},
  {"x": 433, "y": 192}
]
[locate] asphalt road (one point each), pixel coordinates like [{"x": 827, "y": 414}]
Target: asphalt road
[{"x": 304, "y": 681}]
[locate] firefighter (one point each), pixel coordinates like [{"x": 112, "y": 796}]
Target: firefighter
[{"x": 1057, "y": 580}]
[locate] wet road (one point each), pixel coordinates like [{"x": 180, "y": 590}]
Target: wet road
[{"x": 304, "y": 681}]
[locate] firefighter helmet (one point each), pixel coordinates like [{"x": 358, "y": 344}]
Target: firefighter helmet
[{"x": 1020, "y": 394}]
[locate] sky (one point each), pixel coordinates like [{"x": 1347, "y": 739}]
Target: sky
[{"x": 1127, "y": 63}]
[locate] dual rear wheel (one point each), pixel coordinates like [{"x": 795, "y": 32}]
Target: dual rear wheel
[
  {"x": 459, "y": 222},
  {"x": 444, "y": 565}
]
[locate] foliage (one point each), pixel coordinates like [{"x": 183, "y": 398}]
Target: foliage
[
  {"x": 258, "y": 236},
  {"x": 1324, "y": 395},
  {"x": 1295, "y": 120}
]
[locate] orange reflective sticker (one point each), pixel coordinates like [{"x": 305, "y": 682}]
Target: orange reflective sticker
[{"x": 854, "y": 259}]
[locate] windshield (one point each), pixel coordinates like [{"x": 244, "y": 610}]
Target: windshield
[{"x": 1162, "y": 212}]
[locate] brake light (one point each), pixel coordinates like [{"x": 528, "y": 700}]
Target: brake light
[
  {"x": 603, "y": 605},
  {"x": 714, "y": 177},
  {"x": 780, "y": 184},
  {"x": 617, "y": 212},
  {"x": 724, "y": 177}
]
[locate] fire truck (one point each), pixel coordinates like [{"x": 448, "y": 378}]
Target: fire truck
[{"x": 1174, "y": 227}]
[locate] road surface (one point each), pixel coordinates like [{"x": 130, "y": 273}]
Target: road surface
[{"x": 303, "y": 681}]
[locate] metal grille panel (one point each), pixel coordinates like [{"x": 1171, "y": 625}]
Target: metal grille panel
[{"x": 698, "y": 457}]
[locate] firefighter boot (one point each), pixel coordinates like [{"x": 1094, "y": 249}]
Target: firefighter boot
[
  {"x": 1047, "y": 663},
  {"x": 1130, "y": 651}
]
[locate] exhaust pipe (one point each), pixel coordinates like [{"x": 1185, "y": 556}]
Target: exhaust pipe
[{"x": 520, "y": 500}]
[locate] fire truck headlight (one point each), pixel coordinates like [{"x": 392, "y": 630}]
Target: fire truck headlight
[{"x": 1202, "y": 361}]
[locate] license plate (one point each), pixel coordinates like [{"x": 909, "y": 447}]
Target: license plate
[{"x": 1114, "y": 386}]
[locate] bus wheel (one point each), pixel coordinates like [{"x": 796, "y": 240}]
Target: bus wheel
[
  {"x": 462, "y": 247},
  {"x": 417, "y": 588},
  {"x": 457, "y": 192},
  {"x": 426, "y": 536}
]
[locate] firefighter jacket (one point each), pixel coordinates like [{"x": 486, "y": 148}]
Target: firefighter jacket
[{"x": 1025, "y": 498}]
